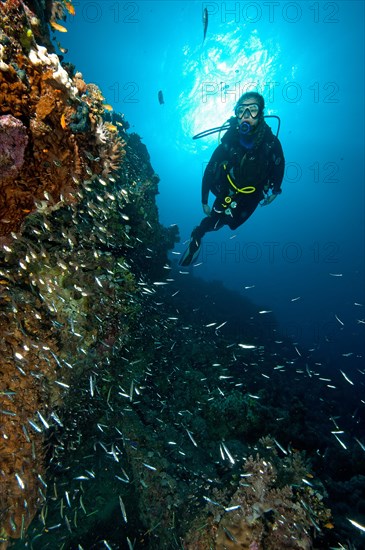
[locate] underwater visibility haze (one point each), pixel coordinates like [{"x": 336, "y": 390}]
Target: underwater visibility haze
[{"x": 152, "y": 406}]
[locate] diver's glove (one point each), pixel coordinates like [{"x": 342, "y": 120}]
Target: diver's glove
[{"x": 206, "y": 209}]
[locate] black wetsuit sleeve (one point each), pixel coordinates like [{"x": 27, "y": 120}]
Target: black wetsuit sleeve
[
  {"x": 210, "y": 171},
  {"x": 277, "y": 167}
]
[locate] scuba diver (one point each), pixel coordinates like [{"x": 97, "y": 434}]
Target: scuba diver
[{"x": 246, "y": 169}]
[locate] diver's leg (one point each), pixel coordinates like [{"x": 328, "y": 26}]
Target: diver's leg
[
  {"x": 241, "y": 214},
  {"x": 213, "y": 222},
  {"x": 210, "y": 223}
]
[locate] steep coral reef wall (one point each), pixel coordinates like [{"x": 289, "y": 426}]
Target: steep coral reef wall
[
  {"x": 70, "y": 223},
  {"x": 51, "y": 125}
]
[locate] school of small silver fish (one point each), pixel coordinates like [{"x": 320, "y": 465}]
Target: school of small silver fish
[
  {"x": 146, "y": 375},
  {"x": 147, "y": 415}
]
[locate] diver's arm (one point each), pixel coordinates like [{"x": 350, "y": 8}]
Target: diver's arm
[
  {"x": 276, "y": 176},
  {"x": 210, "y": 171},
  {"x": 277, "y": 168}
]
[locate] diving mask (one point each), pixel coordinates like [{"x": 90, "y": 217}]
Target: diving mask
[{"x": 242, "y": 110}]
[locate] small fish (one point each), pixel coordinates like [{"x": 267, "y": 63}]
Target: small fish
[
  {"x": 92, "y": 386},
  {"x": 280, "y": 447},
  {"x": 339, "y": 320},
  {"x": 98, "y": 282},
  {"x": 43, "y": 420},
  {"x": 160, "y": 98},
  {"x": 113, "y": 129},
  {"x": 232, "y": 508},
  {"x": 230, "y": 457},
  {"x": 358, "y": 525},
  {"x": 192, "y": 439},
  {"x": 20, "y": 481},
  {"x": 63, "y": 121},
  {"x": 298, "y": 352},
  {"x": 34, "y": 426},
  {"x": 57, "y": 26},
  {"x": 346, "y": 378},
  {"x": 205, "y": 23},
  {"x": 62, "y": 50},
  {"x": 82, "y": 504},
  {"x": 211, "y": 501},
  {"x": 113, "y": 452},
  {"x": 9, "y": 413},
  {"x": 246, "y": 346},
  {"x": 108, "y": 107},
  {"x": 62, "y": 384},
  {"x": 70, "y": 8},
  {"x": 340, "y": 442},
  {"x": 229, "y": 535},
  {"x": 122, "y": 507},
  {"x": 149, "y": 466},
  {"x": 359, "y": 442}
]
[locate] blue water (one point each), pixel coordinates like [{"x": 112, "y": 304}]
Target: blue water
[{"x": 302, "y": 257}]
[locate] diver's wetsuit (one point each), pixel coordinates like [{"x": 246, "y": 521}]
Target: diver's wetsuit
[{"x": 259, "y": 164}]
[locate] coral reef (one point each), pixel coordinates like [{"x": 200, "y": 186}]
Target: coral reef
[
  {"x": 58, "y": 117},
  {"x": 55, "y": 148},
  {"x": 28, "y": 392},
  {"x": 13, "y": 140},
  {"x": 71, "y": 266},
  {"x": 262, "y": 513}
]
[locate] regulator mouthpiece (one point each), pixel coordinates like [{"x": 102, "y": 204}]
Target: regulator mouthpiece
[{"x": 245, "y": 128}]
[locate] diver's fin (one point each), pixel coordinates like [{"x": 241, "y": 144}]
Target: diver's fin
[{"x": 191, "y": 253}]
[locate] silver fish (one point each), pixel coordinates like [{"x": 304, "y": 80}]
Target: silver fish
[{"x": 205, "y": 23}]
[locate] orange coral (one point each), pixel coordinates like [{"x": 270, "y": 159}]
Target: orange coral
[
  {"x": 48, "y": 100},
  {"x": 25, "y": 364},
  {"x": 38, "y": 96}
]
